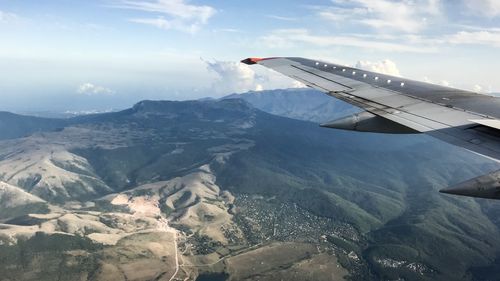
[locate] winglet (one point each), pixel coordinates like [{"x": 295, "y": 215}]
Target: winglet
[{"x": 251, "y": 61}]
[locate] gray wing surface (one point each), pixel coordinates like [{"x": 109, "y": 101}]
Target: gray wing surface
[{"x": 398, "y": 105}]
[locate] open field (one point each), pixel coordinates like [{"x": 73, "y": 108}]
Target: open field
[{"x": 268, "y": 258}]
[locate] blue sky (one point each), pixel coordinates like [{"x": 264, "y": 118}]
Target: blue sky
[{"x": 100, "y": 54}]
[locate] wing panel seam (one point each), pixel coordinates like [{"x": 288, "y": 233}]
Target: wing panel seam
[{"x": 317, "y": 75}]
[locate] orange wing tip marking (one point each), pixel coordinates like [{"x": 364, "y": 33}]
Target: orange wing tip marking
[{"x": 251, "y": 61}]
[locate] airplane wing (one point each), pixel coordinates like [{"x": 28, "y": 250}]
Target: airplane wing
[{"x": 398, "y": 105}]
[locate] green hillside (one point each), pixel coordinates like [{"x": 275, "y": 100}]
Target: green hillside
[{"x": 383, "y": 187}]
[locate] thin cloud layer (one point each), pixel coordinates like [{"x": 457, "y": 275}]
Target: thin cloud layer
[
  {"x": 402, "y": 26},
  {"x": 384, "y": 15},
  {"x": 171, "y": 14},
  {"x": 286, "y": 38},
  {"x": 6, "y": 17},
  {"x": 488, "y": 8},
  {"x": 484, "y": 37},
  {"x": 92, "y": 89}
]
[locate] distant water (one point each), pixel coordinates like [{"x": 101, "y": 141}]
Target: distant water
[{"x": 212, "y": 277}]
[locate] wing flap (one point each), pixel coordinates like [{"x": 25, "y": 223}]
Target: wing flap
[{"x": 491, "y": 123}]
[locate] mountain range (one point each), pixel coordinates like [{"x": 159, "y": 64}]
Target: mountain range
[
  {"x": 302, "y": 103},
  {"x": 242, "y": 188}
]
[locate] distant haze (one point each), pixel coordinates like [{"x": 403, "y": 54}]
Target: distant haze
[{"x": 109, "y": 54}]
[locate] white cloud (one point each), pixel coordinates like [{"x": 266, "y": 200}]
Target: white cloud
[
  {"x": 399, "y": 25},
  {"x": 290, "y": 38},
  {"x": 409, "y": 16},
  {"x": 385, "y": 67},
  {"x": 485, "y": 37},
  {"x": 471, "y": 35},
  {"x": 282, "y": 18},
  {"x": 296, "y": 84},
  {"x": 91, "y": 89},
  {"x": 228, "y": 30},
  {"x": 286, "y": 38},
  {"x": 445, "y": 83},
  {"x": 235, "y": 77},
  {"x": 6, "y": 17},
  {"x": 489, "y": 8},
  {"x": 159, "y": 22},
  {"x": 171, "y": 14},
  {"x": 484, "y": 90},
  {"x": 477, "y": 88}
]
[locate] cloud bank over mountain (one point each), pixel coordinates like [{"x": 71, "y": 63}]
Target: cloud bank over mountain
[
  {"x": 235, "y": 77},
  {"x": 386, "y": 67}
]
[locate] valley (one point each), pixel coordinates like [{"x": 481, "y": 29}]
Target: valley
[{"x": 220, "y": 190}]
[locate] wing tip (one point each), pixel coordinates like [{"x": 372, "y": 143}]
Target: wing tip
[{"x": 251, "y": 61}]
